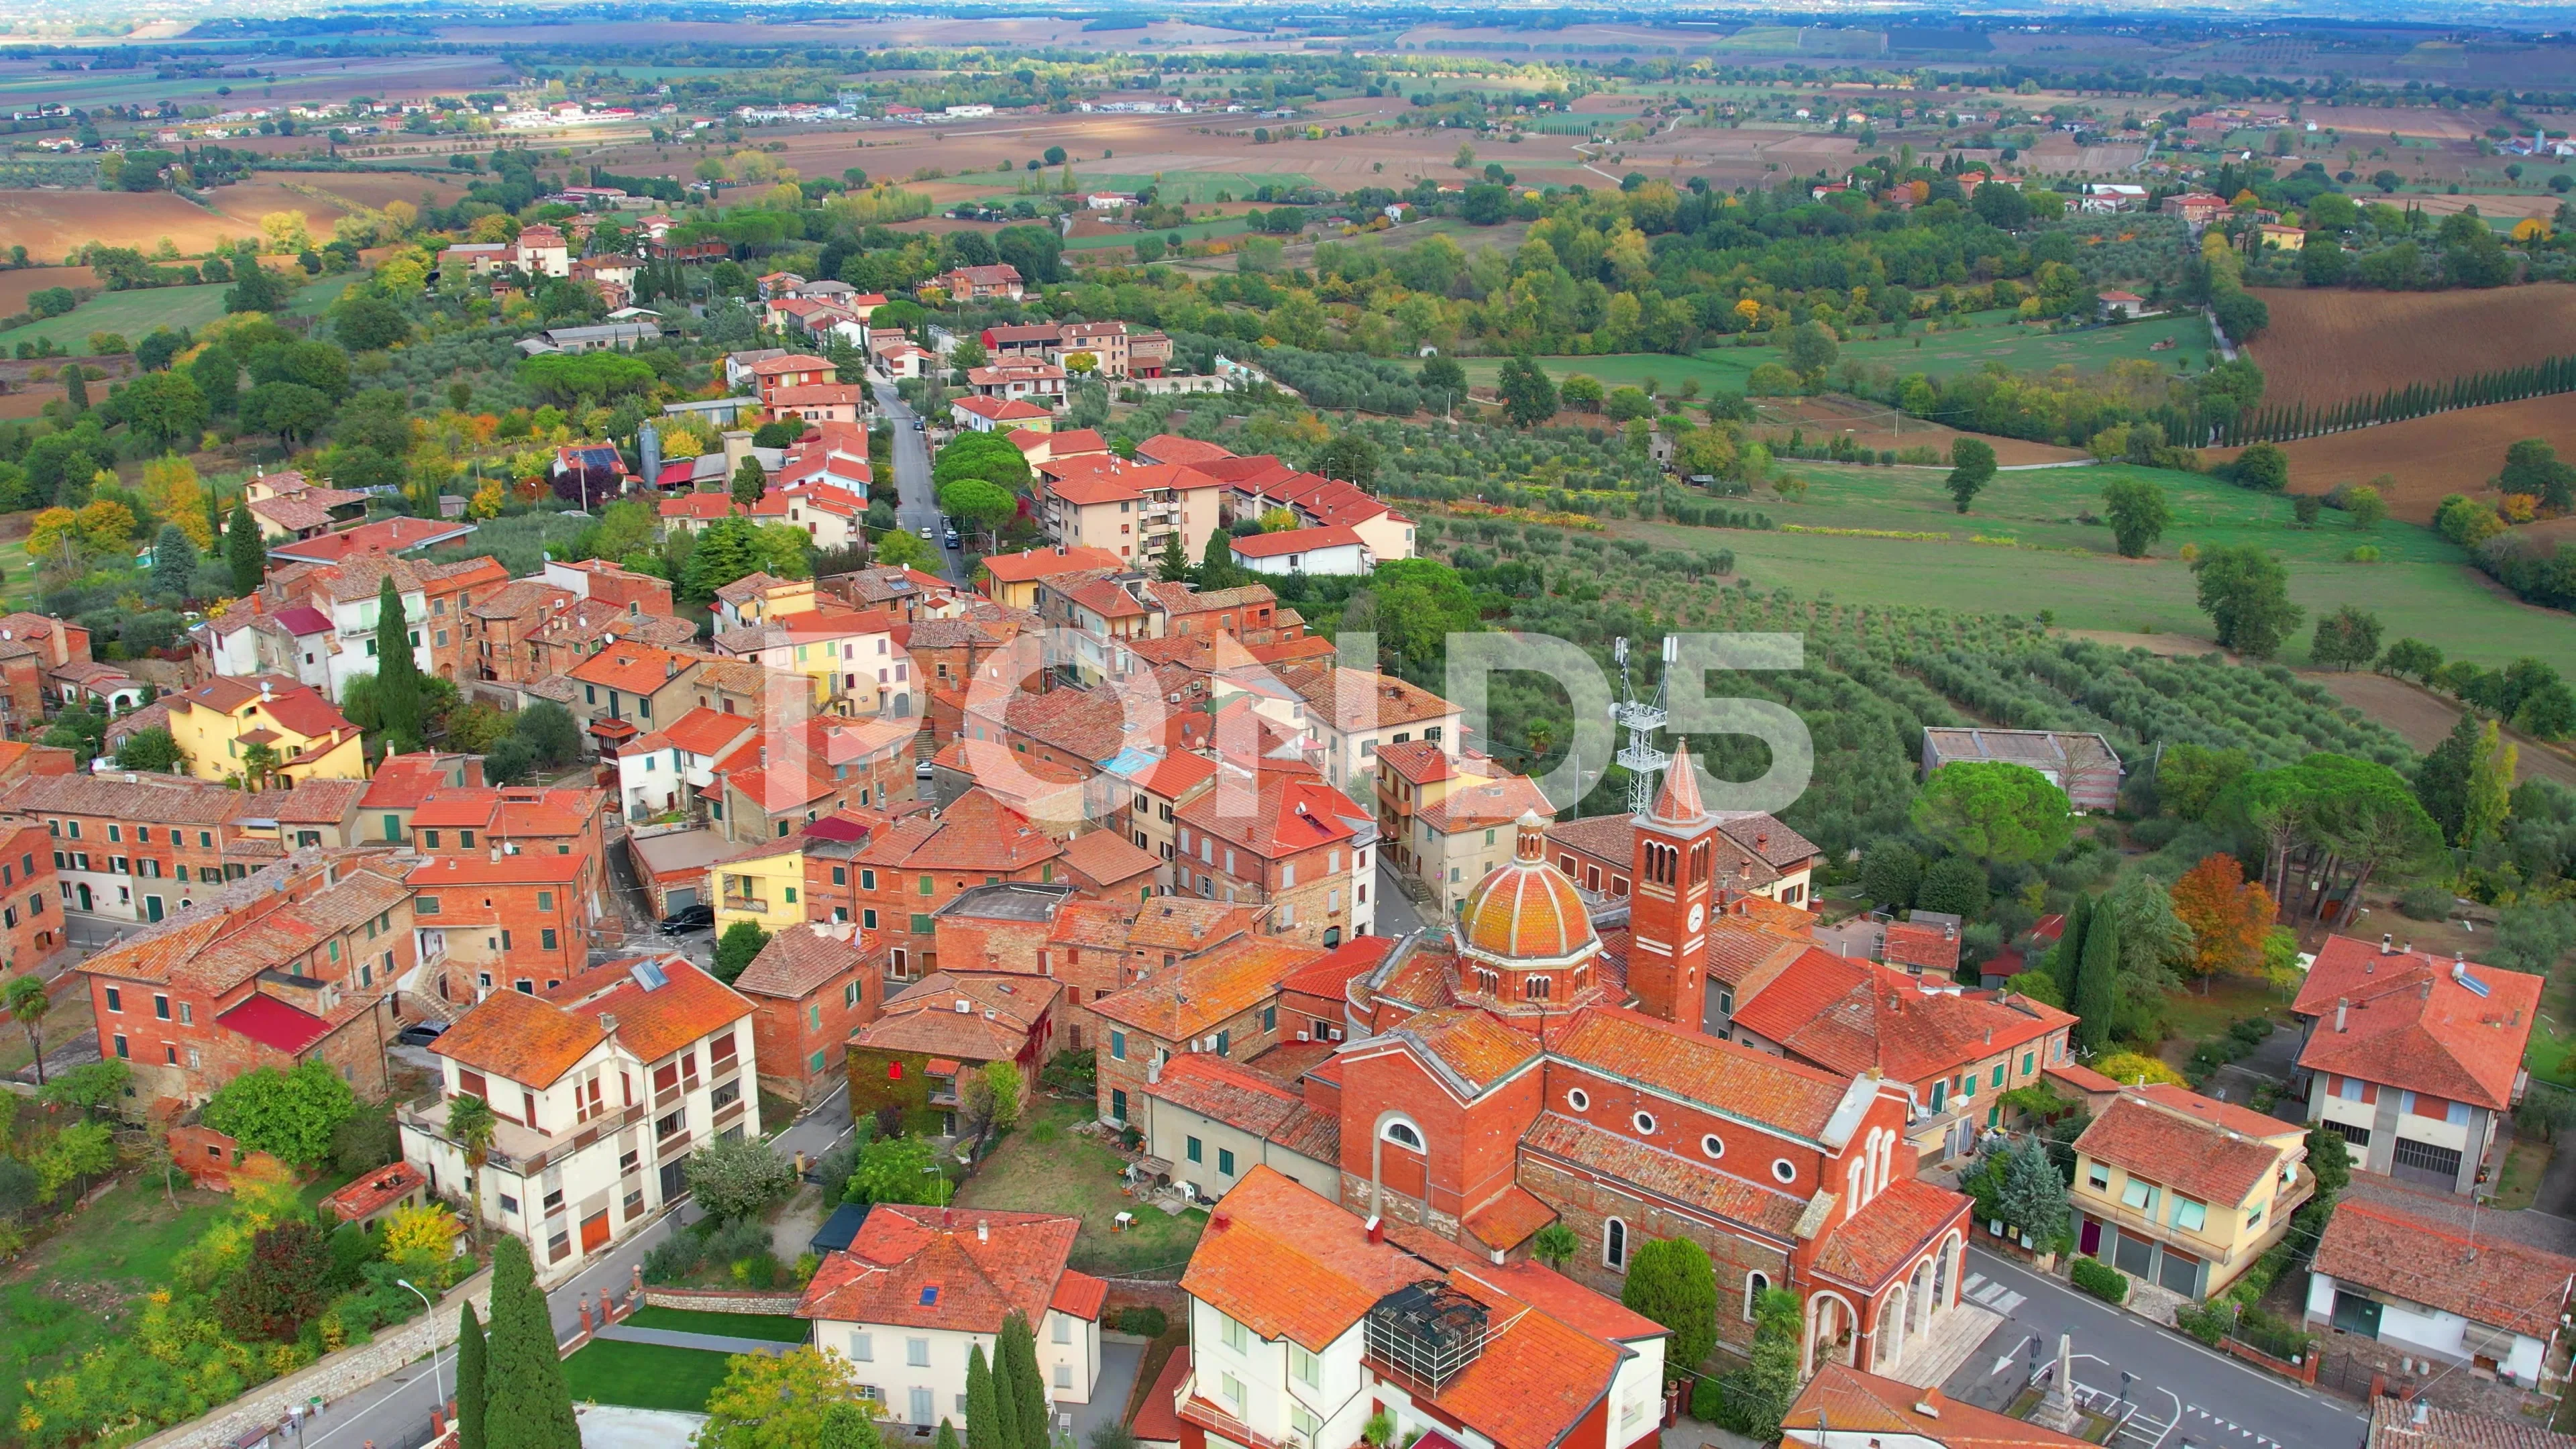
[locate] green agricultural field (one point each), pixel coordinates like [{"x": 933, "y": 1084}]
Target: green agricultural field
[
  {"x": 1195, "y": 188},
  {"x": 1194, "y": 231},
  {"x": 1989, "y": 338},
  {"x": 133, "y": 314},
  {"x": 2421, "y": 586}
]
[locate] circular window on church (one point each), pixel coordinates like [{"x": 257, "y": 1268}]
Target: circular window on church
[
  {"x": 1783, "y": 1169},
  {"x": 1645, "y": 1123},
  {"x": 1710, "y": 1144},
  {"x": 1578, "y": 1099}
]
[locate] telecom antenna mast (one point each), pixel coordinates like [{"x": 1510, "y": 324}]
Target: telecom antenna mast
[{"x": 1642, "y": 719}]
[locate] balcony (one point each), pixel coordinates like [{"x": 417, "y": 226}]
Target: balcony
[
  {"x": 517, "y": 1148},
  {"x": 756, "y": 905},
  {"x": 1193, "y": 1407}
]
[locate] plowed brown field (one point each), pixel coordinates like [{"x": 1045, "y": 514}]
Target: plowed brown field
[
  {"x": 2430, "y": 457},
  {"x": 2326, "y": 345}
]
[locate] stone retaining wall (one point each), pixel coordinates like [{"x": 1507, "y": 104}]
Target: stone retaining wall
[
  {"x": 333, "y": 1375},
  {"x": 722, "y": 1300}
]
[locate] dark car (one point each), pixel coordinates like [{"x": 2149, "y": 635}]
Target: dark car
[
  {"x": 687, "y": 918},
  {"x": 421, "y": 1033}
]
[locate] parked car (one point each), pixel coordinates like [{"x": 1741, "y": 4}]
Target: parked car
[
  {"x": 687, "y": 918},
  {"x": 927, "y": 533},
  {"x": 951, "y": 539},
  {"x": 421, "y": 1033}
]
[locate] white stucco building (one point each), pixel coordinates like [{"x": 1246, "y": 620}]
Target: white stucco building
[
  {"x": 920, "y": 1288},
  {"x": 599, "y": 1100},
  {"x": 2429, "y": 1287},
  {"x": 1304, "y": 1319}
]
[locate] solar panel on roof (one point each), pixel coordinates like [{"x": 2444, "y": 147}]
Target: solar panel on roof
[{"x": 649, "y": 975}]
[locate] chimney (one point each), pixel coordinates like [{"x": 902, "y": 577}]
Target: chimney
[
  {"x": 1377, "y": 1230},
  {"x": 983, "y": 1231},
  {"x": 2387, "y": 942},
  {"x": 2342, "y": 1004},
  {"x": 608, "y": 1022}
]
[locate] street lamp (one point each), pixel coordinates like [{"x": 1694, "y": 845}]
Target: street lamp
[{"x": 436, "y": 1384}]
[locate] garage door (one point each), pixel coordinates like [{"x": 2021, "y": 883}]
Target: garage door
[{"x": 678, "y": 899}]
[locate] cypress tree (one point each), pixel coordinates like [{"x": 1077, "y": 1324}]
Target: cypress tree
[
  {"x": 947, "y": 1437},
  {"x": 245, "y": 550},
  {"x": 2070, "y": 945},
  {"x": 983, "y": 1410},
  {"x": 2097, "y": 982},
  {"x": 1018, "y": 1350},
  {"x": 397, "y": 673},
  {"x": 1006, "y": 1408},
  {"x": 469, "y": 1380},
  {"x": 526, "y": 1403}
]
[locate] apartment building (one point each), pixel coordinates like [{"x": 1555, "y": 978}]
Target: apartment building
[{"x": 599, "y": 1101}]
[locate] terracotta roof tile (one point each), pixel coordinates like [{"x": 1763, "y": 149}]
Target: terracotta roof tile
[
  {"x": 2414, "y": 1021},
  {"x": 1191, "y": 998},
  {"x": 2487, "y": 1279},
  {"x": 802, "y": 959},
  {"x": 655, "y": 1023},
  {"x": 1002, "y": 1011},
  {"x": 519, "y": 1038},
  {"x": 2192, "y": 1153},
  {"x": 1737, "y": 1080},
  {"x": 1856, "y": 1405},
  {"x": 1890, "y": 1233},
  {"x": 960, "y": 1269}
]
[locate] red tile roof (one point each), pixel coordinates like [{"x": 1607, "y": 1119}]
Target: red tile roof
[
  {"x": 372, "y": 1192},
  {"x": 2187, "y": 1152},
  {"x": 1850, "y": 1015},
  {"x": 1193, "y": 997},
  {"x": 1855, "y": 1405},
  {"x": 1752, "y": 1084},
  {"x": 1173, "y": 448},
  {"x": 655, "y": 1023},
  {"x": 1890, "y": 1233},
  {"x": 1288, "y": 1264},
  {"x": 634, "y": 668},
  {"x": 2488, "y": 1279},
  {"x": 1331, "y": 975},
  {"x": 1033, "y": 564},
  {"x": 519, "y": 1038},
  {"x": 1294, "y": 540},
  {"x": 961, "y": 1269},
  {"x": 275, "y": 1024},
  {"x": 2412, "y": 1020}
]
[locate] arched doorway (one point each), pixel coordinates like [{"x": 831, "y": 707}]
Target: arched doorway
[
  {"x": 84, "y": 896},
  {"x": 1833, "y": 1331}
]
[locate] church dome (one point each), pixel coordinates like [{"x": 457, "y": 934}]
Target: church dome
[{"x": 1526, "y": 912}]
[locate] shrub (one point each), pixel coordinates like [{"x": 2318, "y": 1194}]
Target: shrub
[
  {"x": 2425, "y": 903},
  {"x": 2208, "y": 1323},
  {"x": 1144, "y": 1322},
  {"x": 2099, "y": 1279}
]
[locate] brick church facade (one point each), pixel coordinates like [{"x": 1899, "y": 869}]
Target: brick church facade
[{"x": 1501, "y": 1081}]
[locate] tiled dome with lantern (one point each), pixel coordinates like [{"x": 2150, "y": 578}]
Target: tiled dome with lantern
[{"x": 1525, "y": 939}]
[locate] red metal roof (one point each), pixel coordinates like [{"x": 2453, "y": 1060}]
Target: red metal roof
[{"x": 275, "y": 1024}]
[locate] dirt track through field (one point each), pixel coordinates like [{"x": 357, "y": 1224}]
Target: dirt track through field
[{"x": 2424, "y": 717}]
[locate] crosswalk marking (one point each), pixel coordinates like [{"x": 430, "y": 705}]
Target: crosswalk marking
[{"x": 1994, "y": 1295}]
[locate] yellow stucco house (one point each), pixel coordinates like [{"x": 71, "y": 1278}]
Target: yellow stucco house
[
  {"x": 764, "y": 885},
  {"x": 221, "y": 724},
  {"x": 2184, "y": 1191}
]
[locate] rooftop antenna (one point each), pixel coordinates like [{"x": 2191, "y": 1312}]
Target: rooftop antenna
[{"x": 1640, "y": 756}]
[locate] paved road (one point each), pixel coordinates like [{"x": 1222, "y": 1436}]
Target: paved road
[
  {"x": 916, "y": 506},
  {"x": 393, "y": 1412},
  {"x": 2187, "y": 1396},
  {"x": 1397, "y": 915}
]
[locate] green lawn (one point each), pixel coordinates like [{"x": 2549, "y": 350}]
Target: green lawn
[
  {"x": 1196, "y": 188},
  {"x": 2422, "y": 586},
  {"x": 774, "y": 1327},
  {"x": 1992, "y": 338},
  {"x": 644, "y": 1375},
  {"x": 1071, "y": 1173}
]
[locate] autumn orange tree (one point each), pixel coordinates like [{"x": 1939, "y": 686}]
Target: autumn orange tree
[{"x": 2228, "y": 917}]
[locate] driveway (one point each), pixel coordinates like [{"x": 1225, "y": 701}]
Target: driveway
[
  {"x": 1118, "y": 1364},
  {"x": 2184, "y": 1394}
]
